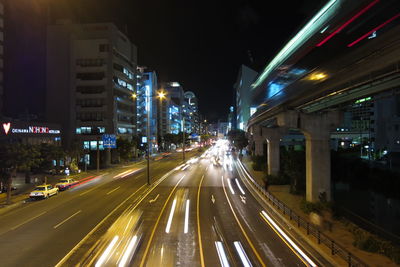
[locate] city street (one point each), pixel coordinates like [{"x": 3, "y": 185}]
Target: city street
[
  {"x": 41, "y": 232},
  {"x": 201, "y": 214}
]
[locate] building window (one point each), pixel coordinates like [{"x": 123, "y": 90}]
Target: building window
[
  {"x": 104, "y": 48},
  {"x": 91, "y": 76}
]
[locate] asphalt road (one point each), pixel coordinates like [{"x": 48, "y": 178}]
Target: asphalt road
[
  {"x": 200, "y": 215},
  {"x": 197, "y": 214},
  {"x": 41, "y": 233}
]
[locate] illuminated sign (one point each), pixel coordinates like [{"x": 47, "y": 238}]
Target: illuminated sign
[
  {"x": 6, "y": 127},
  {"x": 29, "y": 130}
]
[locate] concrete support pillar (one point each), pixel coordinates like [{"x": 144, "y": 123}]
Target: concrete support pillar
[
  {"x": 259, "y": 147},
  {"x": 273, "y": 136},
  {"x": 316, "y": 129},
  {"x": 318, "y": 168}
]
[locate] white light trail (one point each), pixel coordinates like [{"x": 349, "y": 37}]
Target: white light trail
[
  {"x": 230, "y": 186},
  {"x": 240, "y": 188},
  {"x": 221, "y": 254},
  {"x": 171, "y": 215},
  {"x": 128, "y": 252},
  {"x": 243, "y": 257},
  {"x": 107, "y": 251},
  {"x": 287, "y": 238},
  {"x": 187, "y": 217}
]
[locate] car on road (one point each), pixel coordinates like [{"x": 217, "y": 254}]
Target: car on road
[
  {"x": 43, "y": 191},
  {"x": 65, "y": 183}
]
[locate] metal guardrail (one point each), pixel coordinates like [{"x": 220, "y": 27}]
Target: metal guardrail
[{"x": 310, "y": 228}]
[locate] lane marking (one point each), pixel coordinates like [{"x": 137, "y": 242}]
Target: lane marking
[
  {"x": 73, "y": 215},
  {"x": 113, "y": 190},
  {"x": 297, "y": 251},
  {"x": 171, "y": 216},
  {"x": 157, "y": 222},
  {"x": 198, "y": 223},
  {"x": 240, "y": 188},
  {"x": 18, "y": 225},
  {"x": 243, "y": 199},
  {"x": 241, "y": 227},
  {"x": 90, "y": 190},
  {"x": 155, "y": 199},
  {"x": 186, "y": 217},
  {"x": 213, "y": 199}
]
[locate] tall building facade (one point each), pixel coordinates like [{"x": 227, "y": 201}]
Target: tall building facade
[
  {"x": 170, "y": 115},
  {"x": 90, "y": 83},
  {"x": 191, "y": 113},
  {"x": 147, "y": 86},
  {"x": 242, "y": 87},
  {"x": 1, "y": 56}
]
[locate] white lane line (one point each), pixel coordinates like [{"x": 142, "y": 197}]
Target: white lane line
[
  {"x": 107, "y": 251},
  {"x": 243, "y": 257},
  {"x": 287, "y": 238},
  {"x": 187, "y": 217},
  {"x": 230, "y": 186},
  {"x": 18, "y": 225},
  {"x": 171, "y": 215},
  {"x": 113, "y": 190},
  {"x": 240, "y": 188},
  {"x": 76, "y": 213},
  {"x": 90, "y": 190},
  {"x": 221, "y": 254}
]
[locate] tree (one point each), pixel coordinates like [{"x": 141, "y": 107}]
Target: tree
[
  {"x": 15, "y": 157},
  {"x": 125, "y": 149},
  {"x": 238, "y": 139}
]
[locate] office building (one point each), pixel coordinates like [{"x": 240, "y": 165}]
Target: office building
[
  {"x": 191, "y": 113},
  {"x": 90, "y": 84},
  {"x": 1, "y": 56},
  {"x": 146, "y": 100},
  {"x": 242, "y": 87}
]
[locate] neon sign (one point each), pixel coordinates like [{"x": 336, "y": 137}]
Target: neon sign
[{"x": 29, "y": 130}]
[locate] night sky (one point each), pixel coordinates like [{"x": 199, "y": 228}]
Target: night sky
[{"x": 200, "y": 44}]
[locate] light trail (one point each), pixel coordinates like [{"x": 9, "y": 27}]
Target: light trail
[
  {"x": 171, "y": 216},
  {"x": 243, "y": 257},
  {"x": 221, "y": 254},
  {"x": 230, "y": 186},
  {"x": 269, "y": 220},
  {"x": 187, "y": 217},
  {"x": 128, "y": 252},
  {"x": 240, "y": 188},
  {"x": 107, "y": 251}
]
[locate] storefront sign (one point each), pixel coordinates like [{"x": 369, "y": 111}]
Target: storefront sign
[{"x": 8, "y": 128}]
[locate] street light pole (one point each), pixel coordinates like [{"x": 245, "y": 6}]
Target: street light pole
[
  {"x": 183, "y": 137},
  {"x": 148, "y": 137}
]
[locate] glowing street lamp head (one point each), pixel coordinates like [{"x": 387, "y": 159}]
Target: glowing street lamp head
[
  {"x": 161, "y": 94},
  {"x": 134, "y": 95}
]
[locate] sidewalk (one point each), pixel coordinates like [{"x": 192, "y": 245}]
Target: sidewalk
[{"x": 338, "y": 232}]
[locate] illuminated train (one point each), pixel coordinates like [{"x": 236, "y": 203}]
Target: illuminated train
[{"x": 349, "y": 49}]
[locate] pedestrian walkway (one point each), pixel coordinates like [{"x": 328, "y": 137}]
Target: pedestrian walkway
[{"x": 338, "y": 232}]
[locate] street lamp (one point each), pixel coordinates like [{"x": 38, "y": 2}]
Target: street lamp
[{"x": 160, "y": 95}]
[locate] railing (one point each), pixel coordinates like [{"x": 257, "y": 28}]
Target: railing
[{"x": 310, "y": 228}]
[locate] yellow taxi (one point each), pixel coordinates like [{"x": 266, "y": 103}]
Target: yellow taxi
[{"x": 43, "y": 191}]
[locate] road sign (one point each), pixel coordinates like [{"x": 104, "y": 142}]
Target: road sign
[{"x": 109, "y": 141}]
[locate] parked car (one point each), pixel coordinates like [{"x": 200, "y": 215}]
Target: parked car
[
  {"x": 65, "y": 183},
  {"x": 43, "y": 191}
]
